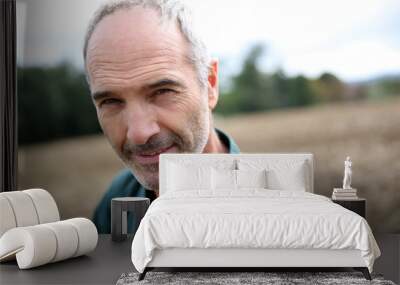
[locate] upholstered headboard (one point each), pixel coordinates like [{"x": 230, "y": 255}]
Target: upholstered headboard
[{"x": 281, "y": 163}]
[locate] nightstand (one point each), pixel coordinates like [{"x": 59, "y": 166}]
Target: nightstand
[
  {"x": 119, "y": 210},
  {"x": 358, "y": 206}
]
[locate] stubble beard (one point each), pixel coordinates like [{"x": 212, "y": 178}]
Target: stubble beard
[{"x": 193, "y": 142}]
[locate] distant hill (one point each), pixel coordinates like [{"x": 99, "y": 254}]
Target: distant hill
[{"x": 377, "y": 79}]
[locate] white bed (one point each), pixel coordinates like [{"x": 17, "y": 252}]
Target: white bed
[{"x": 202, "y": 220}]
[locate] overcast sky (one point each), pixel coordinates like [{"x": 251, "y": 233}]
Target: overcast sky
[{"x": 354, "y": 39}]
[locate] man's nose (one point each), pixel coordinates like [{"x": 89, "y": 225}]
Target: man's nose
[{"x": 142, "y": 124}]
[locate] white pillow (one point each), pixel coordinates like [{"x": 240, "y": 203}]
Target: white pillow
[
  {"x": 181, "y": 177},
  {"x": 293, "y": 179},
  {"x": 251, "y": 178},
  {"x": 281, "y": 174},
  {"x": 224, "y": 179}
]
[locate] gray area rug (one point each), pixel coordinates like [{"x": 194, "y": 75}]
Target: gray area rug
[{"x": 228, "y": 278}]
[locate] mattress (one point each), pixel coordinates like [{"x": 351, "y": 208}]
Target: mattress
[{"x": 250, "y": 218}]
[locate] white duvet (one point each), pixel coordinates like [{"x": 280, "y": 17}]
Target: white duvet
[{"x": 252, "y": 218}]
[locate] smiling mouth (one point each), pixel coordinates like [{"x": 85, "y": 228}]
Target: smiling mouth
[
  {"x": 155, "y": 152},
  {"x": 151, "y": 157}
]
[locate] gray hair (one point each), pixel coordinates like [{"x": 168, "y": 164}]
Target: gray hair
[{"x": 170, "y": 10}]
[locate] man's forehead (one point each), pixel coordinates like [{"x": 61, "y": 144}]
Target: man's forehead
[
  {"x": 139, "y": 83},
  {"x": 124, "y": 47},
  {"x": 136, "y": 70},
  {"x": 135, "y": 31},
  {"x": 133, "y": 54},
  {"x": 141, "y": 86}
]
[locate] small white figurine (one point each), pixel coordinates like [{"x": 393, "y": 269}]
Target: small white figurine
[{"x": 347, "y": 174}]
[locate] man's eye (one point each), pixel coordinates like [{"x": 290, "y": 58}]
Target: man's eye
[
  {"x": 109, "y": 102},
  {"x": 163, "y": 91}
]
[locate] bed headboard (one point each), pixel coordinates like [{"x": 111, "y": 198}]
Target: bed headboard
[{"x": 233, "y": 160}]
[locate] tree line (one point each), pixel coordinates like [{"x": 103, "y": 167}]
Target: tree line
[
  {"x": 53, "y": 103},
  {"x": 255, "y": 90}
]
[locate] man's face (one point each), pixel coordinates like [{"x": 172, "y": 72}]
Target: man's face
[{"x": 146, "y": 92}]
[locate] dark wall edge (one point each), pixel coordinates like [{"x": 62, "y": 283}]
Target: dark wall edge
[{"x": 8, "y": 97}]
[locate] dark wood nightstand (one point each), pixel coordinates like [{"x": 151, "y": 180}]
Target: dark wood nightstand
[{"x": 357, "y": 205}]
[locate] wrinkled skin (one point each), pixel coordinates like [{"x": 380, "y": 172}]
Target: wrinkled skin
[{"x": 147, "y": 93}]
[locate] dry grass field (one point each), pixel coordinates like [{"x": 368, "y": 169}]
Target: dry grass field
[{"x": 77, "y": 171}]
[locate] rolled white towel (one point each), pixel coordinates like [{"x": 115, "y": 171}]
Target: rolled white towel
[{"x": 40, "y": 244}]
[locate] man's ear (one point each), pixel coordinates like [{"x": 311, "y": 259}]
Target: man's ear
[{"x": 213, "y": 91}]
